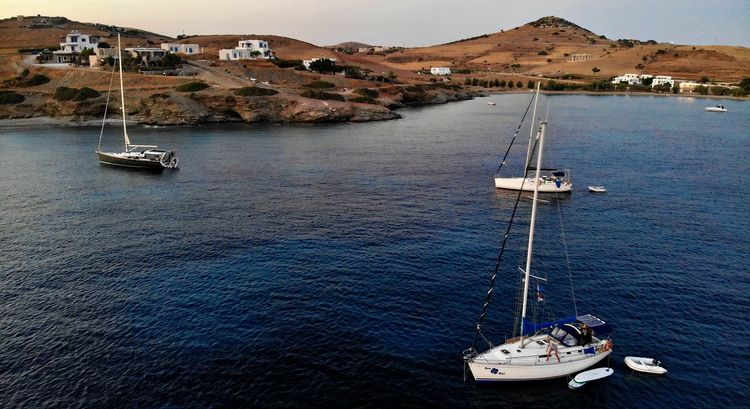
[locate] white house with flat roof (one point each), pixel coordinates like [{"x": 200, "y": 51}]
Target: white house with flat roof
[
  {"x": 247, "y": 50},
  {"x": 177, "y": 48},
  {"x": 661, "y": 80},
  {"x": 440, "y": 71},
  {"x": 75, "y": 42},
  {"x": 630, "y": 79}
]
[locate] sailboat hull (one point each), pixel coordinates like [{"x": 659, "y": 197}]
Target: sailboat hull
[
  {"x": 129, "y": 160},
  {"x": 528, "y": 184},
  {"x": 531, "y": 364}
]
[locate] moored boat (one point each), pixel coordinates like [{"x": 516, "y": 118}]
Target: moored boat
[
  {"x": 133, "y": 156},
  {"x": 717, "y": 108}
]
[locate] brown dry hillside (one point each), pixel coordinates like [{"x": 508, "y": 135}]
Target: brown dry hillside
[
  {"x": 544, "y": 47},
  {"x": 29, "y": 33}
]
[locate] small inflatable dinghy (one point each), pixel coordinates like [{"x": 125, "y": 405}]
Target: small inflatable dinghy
[
  {"x": 649, "y": 365},
  {"x": 589, "y": 376},
  {"x": 597, "y": 189}
]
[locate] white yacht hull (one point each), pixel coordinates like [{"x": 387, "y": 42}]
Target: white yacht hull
[
  {"x": 528, "y": 184},
  {"x": 715, "y": 109},
  {"x": 531, "y": 363}
]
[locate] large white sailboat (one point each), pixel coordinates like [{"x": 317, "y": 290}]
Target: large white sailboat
[
  {"x": 546, "y": 180},
  {"x": 134, "y": 156},
  {"x": 543, "y": 350}
]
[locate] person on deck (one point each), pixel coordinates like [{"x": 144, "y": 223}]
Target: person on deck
[{"x": 552, "y": 348}]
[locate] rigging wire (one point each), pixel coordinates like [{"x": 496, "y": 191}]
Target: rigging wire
[
  {"x": 567, "y": 257},
  {"x": 502, "y": 162},
  {"x": 106, "y": 105}
]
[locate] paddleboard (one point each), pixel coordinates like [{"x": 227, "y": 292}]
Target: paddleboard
[{"x": 589, "y": 376}]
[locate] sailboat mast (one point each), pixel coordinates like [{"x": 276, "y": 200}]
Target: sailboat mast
[
  {"x": 531, "y": 131},
  {"x": 122, "y": 94},
  {"x": 531, "y": 226}
]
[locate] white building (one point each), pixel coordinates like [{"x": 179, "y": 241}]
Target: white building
[
  {"x": 149, "y": 57},
  {"x": 307, "y": 63},
  {"x": 177, "y": 48},
  {"x": 662, "y": 79},
  {"x": 102, "y": 54},
  {"x": 630, "y": 79},
  {"x": 440, "y": 71},
  {"x": 75, "y": 42},
  {"x": 247, "y": 50},
  {"x": 580, "y": 57}
]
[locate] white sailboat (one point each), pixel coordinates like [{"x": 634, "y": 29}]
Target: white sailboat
[
  {"x": 545, "y": 350},
  {"x": 134, "y": 156},
  {"x": 546, "y": 180}
]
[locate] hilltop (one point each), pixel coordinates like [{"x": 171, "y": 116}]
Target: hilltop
[{"x": 546, "y": 47}]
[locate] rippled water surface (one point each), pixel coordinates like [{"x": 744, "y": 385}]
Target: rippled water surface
[{"x": 344, "y": 266}]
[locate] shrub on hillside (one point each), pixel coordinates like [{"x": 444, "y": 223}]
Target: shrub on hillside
[
  {"x": 10, "y": 98},
  {"x": 37, "y": 79},
  {"x": 287, "y": 63},
  {"x": 315, "y": 94},
  {"x": 363, "y": 100},
  {"x": 366, "y": 92},
  {"x": 255, "y": 92},
  {"x": 320, "y": 85},
  {"x": 75, "y": 94},
  {"x": 192, "y": 87},
  {"x": 86, "y": 93}
]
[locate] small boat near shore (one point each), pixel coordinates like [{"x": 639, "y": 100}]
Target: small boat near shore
[
  {"x": 717, "y": 108},
  {"x": 588, "y": 376},
  {"x": 491, "y": 103},
  {"x": 597, "y": 189},
  {"x": 648, "y": 365}
]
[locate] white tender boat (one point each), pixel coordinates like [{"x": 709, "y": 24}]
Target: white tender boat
[
  {"x": 717, "y": 108},
  {"x": 491, "y": 103},
  {"x": 597, "y": 189},
  {"x": 543, "y": 350},
  {"x": 588, "y": 376},
  {"x": 649, "y": 365},
  {"x": 133, "y": 156}
]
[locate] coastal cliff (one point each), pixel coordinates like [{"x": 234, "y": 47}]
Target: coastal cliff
[{"x": 214, "y": 106}]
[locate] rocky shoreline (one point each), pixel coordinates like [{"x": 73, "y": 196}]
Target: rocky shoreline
[{"x": 176, "y": 109}]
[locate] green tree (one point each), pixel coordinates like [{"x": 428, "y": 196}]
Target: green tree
[
  {"x": 103, "y": 44},
  {"x": 255, "y": 54},
  {"x": 530, "y": 85},
  {"x": 745, "y": 84},
  {"x": 704, "y": 80},
  {"x": 503, "y": 83},
  {"x": 510, "y": 84},
  {"x": 324, "y": 65},
  {"x": 497, "y": 82},
  {"x": 467, "y": 81},
  {"x": 595, "y": 70},
  {"x": 519, "y": 84},
  {"x": 647, "y": 81},
  {"x": 701, "y": 90},
  {"x": 475, "y": 81}
]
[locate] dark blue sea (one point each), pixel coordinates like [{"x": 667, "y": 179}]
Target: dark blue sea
[{"x": 345, "y": 266}]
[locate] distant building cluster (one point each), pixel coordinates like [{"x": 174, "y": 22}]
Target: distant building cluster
[
  {"x": 580, "y": 57},
  {"x": 374, "y": 49},
  {"x": 683, "y": 85},
  {"x": 177, "y": 48},
  {"x": 440, "y": 71},
  {"x": 635, "y": 79}
]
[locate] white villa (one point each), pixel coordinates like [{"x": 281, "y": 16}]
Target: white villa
[
  {"x": 627, "y": 78},
  {"x": 177, "y": 48},
  {"x": 102, "y": 54},
  {"x": 689, "y": 86},
  {"x": 307, "y": 63},
  {"x": 75, "y": 42},
  {"x": 662, "y": 79},
  {"x": 148, "y": 57},
  {"x": 440, "y": 71},
  {"x": 247, "y": 50}
]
